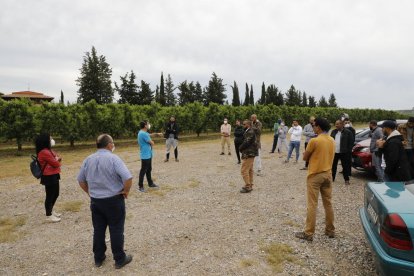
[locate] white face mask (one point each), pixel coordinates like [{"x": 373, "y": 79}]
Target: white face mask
[
  {"x": 347, "y": 125},
  {"x": 113, "y": 148},
  {"x": 148, "y": 126},
  {"x": 225, "y": 122},
  {"x": 52, "y": 142}
]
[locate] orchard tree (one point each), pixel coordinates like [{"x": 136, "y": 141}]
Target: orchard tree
[
  {"x": 236, "y": 96},
  {"x": 128, "y": 89},
  {"x": 215, "y": 91},
  {"x": 95, "y": 79},
  {"x": 170, "y": 99},
  {"x": 332, "y": 101}
]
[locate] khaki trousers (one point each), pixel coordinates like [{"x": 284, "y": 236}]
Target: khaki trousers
[
  {"x": 247, "y": 172},
  {"x": 225, "y": 140},
  {"x": 321, "y": 182}
]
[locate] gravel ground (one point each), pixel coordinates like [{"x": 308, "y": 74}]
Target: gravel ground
[{"x": 196, "y": 224}]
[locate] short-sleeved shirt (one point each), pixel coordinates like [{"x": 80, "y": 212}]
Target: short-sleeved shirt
[
  {"x": 322, "y": 151},
  {"x": 105, "y": 173},
  {"x": 144, "y": 145}
]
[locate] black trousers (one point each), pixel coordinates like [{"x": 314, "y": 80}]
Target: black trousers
[
  {"x": 307, "y": 162},
  {"x": 108, "y": 212},
  {"x": 410, "y": 158},
  {"x": 51, "y": 183},
  {"x": 146, "y": 168},
  {"x": 275, "y": 138},
  {"x": 346, "y": 161},
  {"x": 175, "y": 154},
  {"x": 236, "y": 148}
]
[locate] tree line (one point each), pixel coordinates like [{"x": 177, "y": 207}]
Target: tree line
[
  {"x": 21, "y": 120},
  {"x": 95, "y": 84}
]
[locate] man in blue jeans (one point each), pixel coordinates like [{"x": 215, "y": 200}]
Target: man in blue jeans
[
  {"x": 295, "y": 135},
  {"x": 145, "y": 145},
  {"x": 107, "y": 180}
]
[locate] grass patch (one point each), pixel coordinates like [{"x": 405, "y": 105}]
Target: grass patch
[
  {"x": 162, "y": 191},
  {"x": 247, "y": 263},
  {"x": 8, "y": 228},
  {"x": 278, "y": 254},
  {"x": 193, "y": 183},
  {"x": 232, "y": 184},
  {"x": 71, "y": 206}
]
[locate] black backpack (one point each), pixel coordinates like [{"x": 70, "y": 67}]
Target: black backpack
[{"x": 35, "y": 167}]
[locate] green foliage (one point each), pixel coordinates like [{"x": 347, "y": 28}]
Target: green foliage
[
  {"x": 162, "y": 99},
  {"x": 332, "y": 101},
  {"x": 128, "y": 89},
  {"x": 293, "y": 97},
  {"x": 170, "y": 99},
  {"x": 145, "y": 96},
  {"x": 323, "y": 102},
  {"x": 95, "y": 79},
  {"x": 251, "y": 98},
  {"x": 215, "y": 91},
  {"x": 246, "y": 96},
  {"x": 236, "y": 95}
]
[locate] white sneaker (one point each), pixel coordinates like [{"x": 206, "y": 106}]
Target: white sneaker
[
  {"x": 56, "y": 214},
  {"x": 52, "y": 218}
]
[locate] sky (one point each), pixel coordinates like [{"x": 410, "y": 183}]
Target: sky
[{"x": 360, "y": 50}]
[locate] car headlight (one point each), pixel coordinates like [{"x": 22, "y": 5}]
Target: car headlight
[{"x": 364, "y": 150}]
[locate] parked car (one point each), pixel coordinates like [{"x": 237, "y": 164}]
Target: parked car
[
  {"x": 361, "y": 156},
  {"x": 362, "y": 134},
  {"x": 388, "y": 222}
]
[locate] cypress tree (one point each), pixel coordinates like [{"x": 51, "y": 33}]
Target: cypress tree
[
  {"x": 263, "y": 97},
  {"x": 236, "y": 96},
  {"x": 246, "y": 96},
  {"x": 62, "y": 98},
  {"x": 162, "y": 99},
  {"x": 332, "y": 101},
  {"x": 170, "y": 98},
  {"x": 251, "y": 99}
]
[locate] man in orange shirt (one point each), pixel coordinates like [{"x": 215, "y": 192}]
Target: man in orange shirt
[{"x": 320, "y": 154}]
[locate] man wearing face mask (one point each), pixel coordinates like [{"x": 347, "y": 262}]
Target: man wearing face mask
[
  {"x": 396, "y": 163},
  {"x": 225, "y": 131},
  {"x": 107, "y": 180},
  {"x": 145, "y": 144}
]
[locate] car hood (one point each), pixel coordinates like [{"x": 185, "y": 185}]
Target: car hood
[
  {"x": 398, "y": 197},
  {"x": 364, "y": 143}
]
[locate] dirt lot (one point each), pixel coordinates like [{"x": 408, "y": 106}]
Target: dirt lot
[{"x": 196, "y": 224}]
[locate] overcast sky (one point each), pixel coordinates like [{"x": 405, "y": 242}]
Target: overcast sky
[{"x": 362, "y": 51}]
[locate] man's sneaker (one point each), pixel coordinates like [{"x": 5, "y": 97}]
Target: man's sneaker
[
  {"x": 303, "y": 236},
  {"x": 56, "y": 214},
  {"x": 176, "y": 160},
  {"x": 222, "y": 153},
  {"x": 127, "y": 260},
  {"x": 239, "y": 162},
  {"x": 330, "y": 235},
  {"x": 347, "y": 182},
  {"x": 245, "y": 190},
  {"x": 304, "y": 169},
  {"x": 99, "y": 263},
  {"x": 153, "y": 185},
  {"x": 141, "y": 189},
  {"x": 166, "y": 160},
  {"x": 296, "y": 161},
  {"x": 229, "y": 153},
  {"x": 52, "y": 218},
  {"x": 259, "y": 173},
  {"x": 286, "y": 161}
]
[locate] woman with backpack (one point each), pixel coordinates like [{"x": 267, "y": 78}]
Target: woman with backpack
[{"x": 50, "y": 165}]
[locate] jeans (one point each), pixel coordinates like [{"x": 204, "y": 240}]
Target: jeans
[
  {"x": 108, "y": 212},
  {"x": 296, "y": 145},
  {"x": 346, "y": 161},
  {"x": 146, "y": 168},
  {"x": 275, "y": 138},
  {"x": 379, "y": 171}
]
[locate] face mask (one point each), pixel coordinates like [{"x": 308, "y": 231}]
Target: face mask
[
  {"x": 282, "y": 124},
  {"x": 113, "y": 148},
  {"x": 52, "y": 142},
  {"x": 149, "y": 126},
  {"x": 347, "y": 125},
  {"x": 225, "y": 122}
]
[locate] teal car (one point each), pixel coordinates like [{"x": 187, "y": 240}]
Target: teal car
[{"x": 388, "y": 221}]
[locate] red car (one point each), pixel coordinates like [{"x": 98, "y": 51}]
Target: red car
[{"x": 361, "y": 156}]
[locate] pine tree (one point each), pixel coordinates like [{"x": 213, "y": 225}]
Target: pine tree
[
  {"x": 95, "y": 79},
  {"x": 304, "y": 99},
  {"x": 215, "y": 91},
  {"x": 312, "y": 101},
  {"x": 323, "y": 102},
  {"x": 236, "y": 96},
  {"x": 198, "y": 93},
  {"x": 332, "y": 101},
  {"x": 128, "y": 89},
  {"x": 184, "y": 96},
  {"x": 62, "y": 98},
  {"x": 162, "y": 98},
  {"x": 263, "y": 96},
  {"x": 292, "y": 97},
  {"x": 251, "y": 98},
  {"x": 146, "y": 94},
  {"x": 271, "y": 95},
  {"x": 246, "y": 97},
  {"x": 170, "y": 99}
]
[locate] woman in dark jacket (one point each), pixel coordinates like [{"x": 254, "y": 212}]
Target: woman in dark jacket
[
  {"x": 50, "y": 165},
  {"x": 238, "y": 138}
]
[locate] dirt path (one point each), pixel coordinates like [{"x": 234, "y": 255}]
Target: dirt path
[{"x": 196, "y": 224}]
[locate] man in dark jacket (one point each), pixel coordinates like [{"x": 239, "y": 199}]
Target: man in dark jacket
[
  {"x": 249, "y": 150},
  {"x": 238, "y": 138},
  {"x": 344, "y": 141},
  {"x": 171, "y": 134},
  {"x": 396, "y": 163}
]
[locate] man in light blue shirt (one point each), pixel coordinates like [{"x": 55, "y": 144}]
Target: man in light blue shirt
[
  {"x": 145, "y": 145},
  {"x": 107, "y": 180}
]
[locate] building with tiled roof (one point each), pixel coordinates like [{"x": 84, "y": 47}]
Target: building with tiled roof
[{"x": 34, "y": 96}]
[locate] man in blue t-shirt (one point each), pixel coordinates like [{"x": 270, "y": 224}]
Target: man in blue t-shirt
[{"x": 145, "y": 145}]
